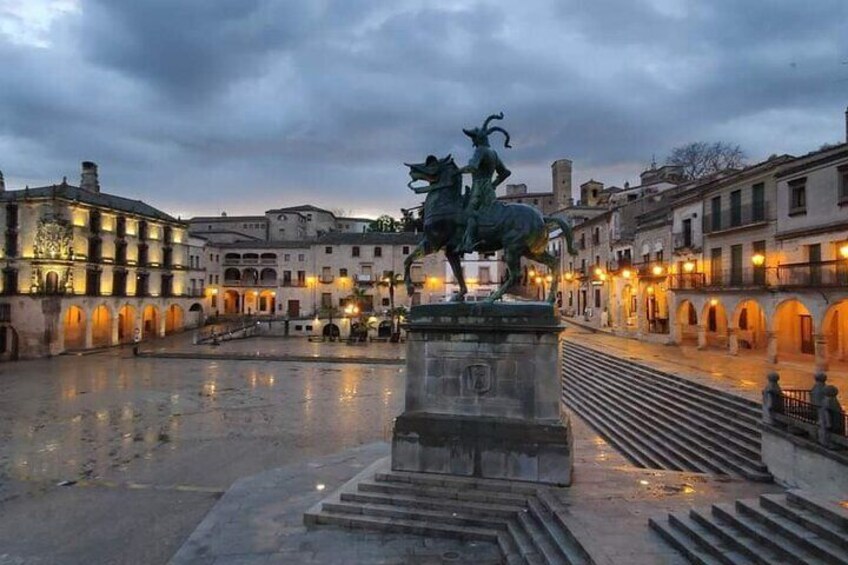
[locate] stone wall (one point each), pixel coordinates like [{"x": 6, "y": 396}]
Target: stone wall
[{"x": 797, "y": 462}]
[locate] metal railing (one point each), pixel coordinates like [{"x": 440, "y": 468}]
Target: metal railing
[
  {"x": 746, "y": 277},
  {"x": 687, "y": 281},
  {"x": 815, "y": 274},
  {"x": 795, "y": 404}
]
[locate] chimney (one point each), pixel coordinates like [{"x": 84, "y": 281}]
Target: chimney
[
  {"x": 2, "y": 183},
  {"x": 88, "y": 179}
]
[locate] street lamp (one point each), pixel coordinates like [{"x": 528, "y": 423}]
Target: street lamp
[
  {"x": 688, "y": 266},
  {"x": 844, "y": 251},
  {"x": 626, "y": 273},
  {"x": 758, "y": 259},
  {"x": 657, "y": 270}
]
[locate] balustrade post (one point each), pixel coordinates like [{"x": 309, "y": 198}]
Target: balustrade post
[
  {"x": 772, "y": 398},
  {"x": 830, "y": 416},
  {"x": 771, "y": 346}
]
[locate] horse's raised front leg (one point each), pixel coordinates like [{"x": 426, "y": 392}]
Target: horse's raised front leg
[
  {"x": 407, "y": 266},
  {"x": 455, "y": 261}
]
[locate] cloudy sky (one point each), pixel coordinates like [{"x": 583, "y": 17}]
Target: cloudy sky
[{"x": 202, "y": 106}]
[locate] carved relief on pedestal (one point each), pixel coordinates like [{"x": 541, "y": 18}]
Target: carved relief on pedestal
[{"x": 477, "y": 378}]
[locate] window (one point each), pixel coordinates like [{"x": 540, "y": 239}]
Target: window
[
  {"x": 736, "y": 265},
  {"x": 5, "y": 312},
  {"x": 386, "y": 302},
  {"x": 484, "y": 275},
  {"x": 659, "y": 256},
  {"x": 758, "y": 202},
  {"x": 736, "y": 208},
  {"x": 342, "y": 272},
  {"x": 328, "y": 250},
  {"x": 92, "y": 282},
  {"x": 842, "y": 181},
  {"x": 301, "y": 257},
  {"x": 378, "y": 252},
  {"x": 406, "y": 250},
  {"x": 583, "y": 240},
  {"x": 715, "y": 213},
  {"x": 687, "y": 232},
  {"x": 597, "y": 298},
  {"x": 10, "y": 281},
  {"x": 326, "y": 299},
  {"x": 287, "y": 257},
  {"x": 354, "y": 251},
  {"x": 798, "y": 196},
  {"x": 596, "y": 236},
  {"x": 715, "y": 266}
]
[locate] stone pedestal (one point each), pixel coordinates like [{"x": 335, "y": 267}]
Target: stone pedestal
[{"x": 483, "y": 394}]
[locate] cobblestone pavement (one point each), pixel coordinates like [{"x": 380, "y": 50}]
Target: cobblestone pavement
[
  {"x": 743, "y": 374},
  {"x": 149, "y": 445}
]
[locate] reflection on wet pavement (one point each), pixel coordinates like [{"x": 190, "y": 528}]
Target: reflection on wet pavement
[{"x": 114, "y": 420}]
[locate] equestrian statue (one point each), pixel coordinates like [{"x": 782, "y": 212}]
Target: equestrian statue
[{"x": 458, "y": 223}]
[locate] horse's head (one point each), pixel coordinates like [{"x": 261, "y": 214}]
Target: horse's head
[{"x": 437, "y": 172}]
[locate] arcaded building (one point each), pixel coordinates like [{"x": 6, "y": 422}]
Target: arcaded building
[{"x": 83, "y": 268}]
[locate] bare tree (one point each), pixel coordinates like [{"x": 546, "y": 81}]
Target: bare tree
[{"x": 700, "y": 159}]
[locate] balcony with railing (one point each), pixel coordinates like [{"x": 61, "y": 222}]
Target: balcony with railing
[
  {"x": 813, "y": 274},
  {"x": 687, "y": 281},
  {"x": 736, "y": 218},
  {"x": 364, "y": 279},
  {"x": 751, "y": 277}
]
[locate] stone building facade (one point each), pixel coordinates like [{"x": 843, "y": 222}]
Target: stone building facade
[{"x": 83, "y": 268}]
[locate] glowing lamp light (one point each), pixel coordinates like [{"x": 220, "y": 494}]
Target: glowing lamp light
[
  {"x": 569, "y": 276},
  {"x": 549, "y": 278},
  {"x": 713, "y": 301},
  {"x": 650, "y": 290},
  {"x": 538, "y": 280},
  {"x": 657, "y": 270},
  {"x": 844, "y": 251},
  {"x": 598, "y": 271},
  {"x": 602, "y": 276},
  {"x": 758, "y": 259},
  {"x": 688, "y": 266},
  {"x": 532, "y": 274},
  {"x": 626, "y": 273}
]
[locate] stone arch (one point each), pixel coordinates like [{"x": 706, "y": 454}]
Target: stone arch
[
  {"x": 150, "y": 322},
  {"x": 268, "y": 257},
  {"x": 268, "y": 276},
  {"x": 714, "y": 320},
  {"x": 232, "y": 302},
  {"x": 232, "y": 276},
  {"x": 232, "y": 257},
  {"x": 331, "y": 331},
  {"x": 794, "y": 327},
  {"x": 267, "y": 301},
  {"x": 384, "y": 329},
  {"x": 834, "y": 328},
  {"x": 52, "y": 283},
  {"x": 74, "y": 325},
  {"x": 126, "y": 324},
  {"x": 101, "y": 326},
  {"x": 9, "y": 343},
  {"x": 174, "y": 319},
  {"x": 655, "y": 300},
  {"x": 687, "y": 321},
  {"x": 750, "y": 323},
  {"x": 249, "y": 277}
]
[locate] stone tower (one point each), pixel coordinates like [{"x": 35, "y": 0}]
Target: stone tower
[
  {"x": 590, "y": 192},
  {"x": 2, "y": 183},
  {"x": 561, "y": 183}
]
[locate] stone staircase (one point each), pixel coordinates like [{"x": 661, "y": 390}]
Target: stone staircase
[
  {"x": 796, "y": 527},
  {"x": 526, "y": 521},
  {"x": 661, "y": 421}
]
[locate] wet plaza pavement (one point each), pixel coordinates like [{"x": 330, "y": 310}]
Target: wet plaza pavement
[{"x": 146, "y": 446}]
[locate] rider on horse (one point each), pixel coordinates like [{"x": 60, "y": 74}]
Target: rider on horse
[{"x": 482, "y": 166}]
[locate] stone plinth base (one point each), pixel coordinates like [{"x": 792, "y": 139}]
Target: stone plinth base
[
  {"x": 483, "y": 447},
  {"x": 483, "y": 394}
]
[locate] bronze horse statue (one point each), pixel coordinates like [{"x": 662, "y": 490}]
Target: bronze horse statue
[{"x": 520, "y": 230}]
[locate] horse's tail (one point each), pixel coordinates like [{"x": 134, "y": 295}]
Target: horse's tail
[{"x": 565, "y": 226}]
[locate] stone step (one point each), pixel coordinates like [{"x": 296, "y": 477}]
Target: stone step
[
  {"x": 718, "y": 432},
  {"x": 680, "y": 387},
  {"x": 675, "y": 446},
  {"x": 764, "y": 536},
  {"x": 745, "y": 428},
  {"x": 454, "y": 518},
  {"x": 831, "y": 511},
  {"x": 456, "y": 482},
  {"x": 744, "y": 438},
  {"x": 542, "y": 543},
  {"x": 566, "y": 546},
  {"x": 815, "y": 523},
  {"x": 694, "y": 542},
  {"x": 742, "y": 403},
  {"x": 622, "y": 439},
  {"x": 423, "y": 503},
  {"x": 523, "y": 543},
  {"x": 684, "y": 391},
  {"x": 471, "y": 495},
  {"x": 792, "y": 531},
  {"x": 394, "y": 525},
  {"x": 716, "y": 456},
  {"x": 735, "y": 539},
  {"x": 707, "y": 540}
]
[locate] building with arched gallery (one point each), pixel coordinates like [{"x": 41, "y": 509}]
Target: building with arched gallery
[{"x": 83, "y": 269}]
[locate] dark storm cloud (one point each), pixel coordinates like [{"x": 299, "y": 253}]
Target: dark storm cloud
[{"x": 243, "y": 105}]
